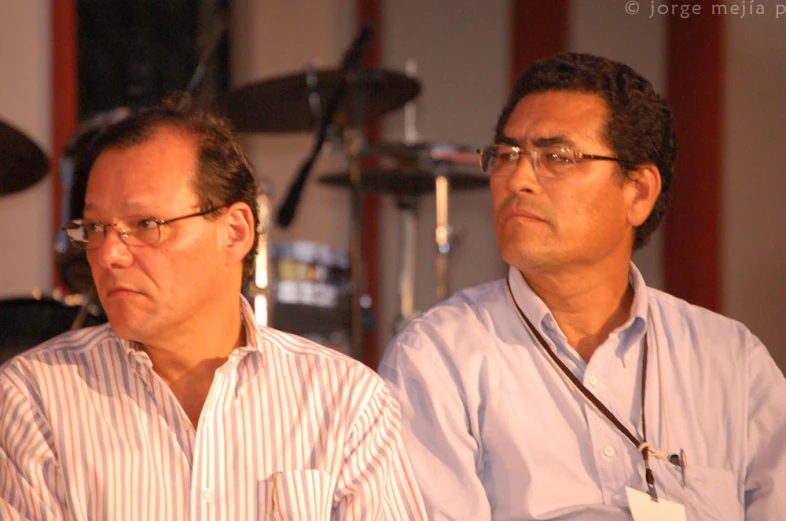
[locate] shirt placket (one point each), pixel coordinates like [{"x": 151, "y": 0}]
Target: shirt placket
[
  {"x": 207, "y": 481},
  {"x": 611, "y": 449}
]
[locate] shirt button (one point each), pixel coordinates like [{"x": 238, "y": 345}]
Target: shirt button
[
  {"x": 593, "y": 380},
  {"x": 608, "y": 451},
  {"x": 207, "y": 495}
]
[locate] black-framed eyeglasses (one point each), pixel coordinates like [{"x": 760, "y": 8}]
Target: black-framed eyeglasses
[
  {"x": 135, "y": 230},
  {"x": 549, "y": 161}
]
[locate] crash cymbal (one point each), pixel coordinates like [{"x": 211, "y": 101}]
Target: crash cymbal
[
  {"x": 406, "y": 182},
  {"x": 282, "y": 104},
  {"x": 425, "y": 153},
  {"x": 22, "y": 163}
]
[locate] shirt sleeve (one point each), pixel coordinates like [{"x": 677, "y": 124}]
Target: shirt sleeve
[
  {"x": 435, "y": 422},
  {"x": 766, "y": 439},
  {"x": 31, "y": 482},
  {"x": 376, "y": 481}
]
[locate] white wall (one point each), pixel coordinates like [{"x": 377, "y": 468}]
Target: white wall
[
  {"x": 461, "y": 51},
  {"x": 754, "y": 242},
  {"x": 25, "y": 233}
]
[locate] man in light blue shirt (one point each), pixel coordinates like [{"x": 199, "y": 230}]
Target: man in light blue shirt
[{"x": 570, "y": 389}]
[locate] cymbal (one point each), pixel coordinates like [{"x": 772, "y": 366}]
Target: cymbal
[
  {"x": 22, "y": 163},
  {"x": 406, "y": 182},
  {"x": 425, "y": 153},
  {"x": 282, "y": 104}
]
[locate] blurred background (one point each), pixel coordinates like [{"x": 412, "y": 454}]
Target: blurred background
[{"x": 71, "y": 66}]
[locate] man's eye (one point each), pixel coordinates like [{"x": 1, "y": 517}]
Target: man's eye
[
  {"x": 93, "y": 227},
  {"x": 508, "y": 155},
  {"x": 557, "y": 156},
  {"x": 147, "y": 224}
]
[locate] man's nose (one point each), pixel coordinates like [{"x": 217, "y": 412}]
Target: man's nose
[
  {"x": 113, "y": 251},
  {"x": 525, "y": 176}
]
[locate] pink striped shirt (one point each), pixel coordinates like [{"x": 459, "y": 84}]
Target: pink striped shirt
[{"x": 289, "y": 430}]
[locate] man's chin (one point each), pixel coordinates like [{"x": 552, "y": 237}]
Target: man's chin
[
  {"x": 529, "y": 260},
  {"x": 126, "y": 324}
]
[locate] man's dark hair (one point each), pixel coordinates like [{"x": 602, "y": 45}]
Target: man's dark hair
[
  {"x": 640, "y": 128},
  {"x": 224, "y": 175}
]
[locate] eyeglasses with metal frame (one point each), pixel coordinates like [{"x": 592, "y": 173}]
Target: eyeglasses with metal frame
[
  {"x": 89, "y": 234},
  {"x": 548, "y": 161}
]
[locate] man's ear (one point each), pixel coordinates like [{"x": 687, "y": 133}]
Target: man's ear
[
  {"x": 645, "y": 190},
  {"x": 239, "y": 232}
]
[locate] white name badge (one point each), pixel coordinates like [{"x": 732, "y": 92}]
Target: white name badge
[{"x": 644, "y": 508}]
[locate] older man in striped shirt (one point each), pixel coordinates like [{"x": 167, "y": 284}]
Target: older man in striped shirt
[{"x": 182, "y": 407}]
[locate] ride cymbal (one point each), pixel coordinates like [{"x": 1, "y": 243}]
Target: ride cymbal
[
  {"x": 423, "y": 153},
  {"x": 405, "y": 182},
  {"x": 296, "y": 102},
  {"x": 22, "y": 162}
]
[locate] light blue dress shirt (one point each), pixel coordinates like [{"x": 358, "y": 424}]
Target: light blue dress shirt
[{"x": 495, "y": 431}]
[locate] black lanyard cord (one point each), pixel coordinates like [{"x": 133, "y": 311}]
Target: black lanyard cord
[{"x": 642, "y": 446}]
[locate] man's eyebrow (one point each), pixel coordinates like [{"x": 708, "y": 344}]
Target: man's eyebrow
[
  {"x": 554, "y": 140},
  {"x": 506, "y": 140},
  {"x": 539, "y": 142},
  {"x": 128, "y": 209}
]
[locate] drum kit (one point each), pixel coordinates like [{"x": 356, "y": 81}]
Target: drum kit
[
  {"x": 302, "y": 287},
  {"x": 30, "y": 320},
  {"x": 406, "y": 171}
]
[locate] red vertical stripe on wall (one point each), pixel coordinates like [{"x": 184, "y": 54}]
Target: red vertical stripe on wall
[
  {"x": 692, "y": 241},
  {"x": 64, "y": 102},
  {"x": 539, "y": 28},
  {"x": 371, "y": 11}
]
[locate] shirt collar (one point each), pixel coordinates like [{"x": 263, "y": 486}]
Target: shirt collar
[
  {"x": 540, "y": 315},
  {"x": 254, "y": 338}
]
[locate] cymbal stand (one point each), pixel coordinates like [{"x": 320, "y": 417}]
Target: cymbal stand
[
  {"x": 354, "y": 142},
  {"x": 259, "y": 287},
  {"x": 443, "y": 232},
  {"x": 407, "y": 207}
]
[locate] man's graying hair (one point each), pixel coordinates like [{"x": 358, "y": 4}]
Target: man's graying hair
[{"x": 225, "y": 175}]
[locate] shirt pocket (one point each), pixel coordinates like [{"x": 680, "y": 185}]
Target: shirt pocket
[
  {"x": 295, "y": 495},
  {"x": 710, "y": 494}
]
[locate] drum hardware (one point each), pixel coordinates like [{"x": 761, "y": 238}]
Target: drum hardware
[
  {"x": 28, "y": 321},
  {"x": 410, "y": 171},
  {"x": 354, "y": 141},
  {"x": 207, "y": 45},
  {"x": 89, "y": 304},
  {"x": 443, "y": 231},
  {"x": 292, "y": 103},
  {"x": 407, "y": 207},
  {"x": 22, "y": 162},
  {"x": 356, "y": 94},
  {"x": 399, "y": 182},
  {"x": 324, "y": 101},
  {"x": 310, "y": 291}
]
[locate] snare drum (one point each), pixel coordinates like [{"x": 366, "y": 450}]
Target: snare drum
[
  {"x": 310, "y": 292},
  {"x": 27, "y": 322}
]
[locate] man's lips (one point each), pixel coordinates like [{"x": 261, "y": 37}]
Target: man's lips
[
  {"x": 116, "y": 291},
  {"x": 519, "y": 213}
]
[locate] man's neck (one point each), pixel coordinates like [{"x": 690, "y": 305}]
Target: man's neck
[
  {"x": 586, "y": 308},
  {"x": 188, "y": 362}
]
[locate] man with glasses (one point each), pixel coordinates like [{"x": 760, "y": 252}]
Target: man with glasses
[
  {"x": 182, "y": 407},
  {"x": 571, "y": 390}
]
